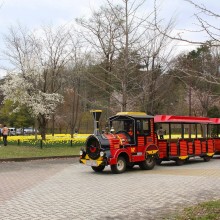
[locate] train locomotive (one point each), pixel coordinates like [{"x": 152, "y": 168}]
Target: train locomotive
[{"x": 131, "y": 141}]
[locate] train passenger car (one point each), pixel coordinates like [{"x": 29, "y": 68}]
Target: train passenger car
[
  {"x": 129, "y": 141},
  {"x": 215, "y": 133},
  {"x": 187, "y": 136}
]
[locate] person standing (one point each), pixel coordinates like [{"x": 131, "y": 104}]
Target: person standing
[
  {"x": 161, "y": 133},
  {"x": 5, "y": 131}
]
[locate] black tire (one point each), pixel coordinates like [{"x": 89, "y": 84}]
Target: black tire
[
  {"x": 206, "y": 158},
  {"x": 120, "y": 167},
  {"x": 187, "y": 160},
  {"x": 130, "y": 166},
  {"x": 180, "y": 162},
  {"x": 158, "y": 161},
  {"x": 98, "y": 169},
  {"x": 147, "y": 164}
]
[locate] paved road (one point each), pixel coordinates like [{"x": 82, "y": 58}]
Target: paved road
[{"x": 63, "y": 189}]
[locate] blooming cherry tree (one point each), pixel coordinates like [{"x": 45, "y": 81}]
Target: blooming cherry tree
[{"x": 36, "y": 78}]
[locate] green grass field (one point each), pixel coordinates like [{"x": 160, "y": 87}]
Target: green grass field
[
  {"x": 12, "y": 151},
  {"x": 27, "y": 146}
]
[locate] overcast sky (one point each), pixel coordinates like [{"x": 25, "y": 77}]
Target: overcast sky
[{"x": 35, "y": 13}]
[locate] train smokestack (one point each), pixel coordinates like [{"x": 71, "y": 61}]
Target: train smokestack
[{"x": 96, "y": 116}]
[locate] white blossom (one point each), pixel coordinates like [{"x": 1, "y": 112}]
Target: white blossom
[{"x": 24, "y": 89}]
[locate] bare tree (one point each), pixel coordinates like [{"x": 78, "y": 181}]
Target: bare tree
[
  {"x": 102, "y": 32},
  {"x": 196, "y": 70},
  {"x": 127, "y": 41},
  {"x": 211, "y": 29},
  {"x": 206, "y": 25}
]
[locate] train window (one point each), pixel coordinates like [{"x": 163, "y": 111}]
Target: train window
[
  {"x": 214, "y": 130},
  {"x": 117, "y": 125},
  {"x": 122, "y": 125},
  {"x": 175, "y": 131},
  {"x": 186, "y": 131},
  {"x": 146, "y": 126},
  {"x": 139, "y": 126},
  {"x": 128, "y": 125},
  {"x": 143, "y": 127},
  {"x": 202, "y": 131},
  {"x": 189, "y": 131}
]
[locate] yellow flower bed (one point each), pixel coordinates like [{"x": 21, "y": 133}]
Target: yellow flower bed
[
  {"x": 81, "y": 137},
  {"x": 57, "y": 139}
]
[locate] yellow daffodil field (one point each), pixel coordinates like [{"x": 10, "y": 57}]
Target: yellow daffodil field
[
  {"x": 56, "y": 140},
  {"x": 29, "y": 147}
]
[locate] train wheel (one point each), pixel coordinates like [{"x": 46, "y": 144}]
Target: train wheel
[
  {"x": 130, "y": 165},
  {"x": 120, "y": 167},
  {"x": 179, "y": 162},
  {"x": 206, "y": 158},
  {"x": 98, "y": 169},
  {"x": 158, "y": 161},
  {"x": 147, "y": 164},
  {"x": 187, "y": 159}
]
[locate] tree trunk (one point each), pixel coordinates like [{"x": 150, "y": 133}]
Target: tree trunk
[
  {"x": 42, "y": 120},
  {"x": 35, "y": 127},
  {"x": 53, "y": 124}
]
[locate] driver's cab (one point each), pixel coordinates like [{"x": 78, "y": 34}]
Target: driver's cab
[{"x": 130, "y": 125}]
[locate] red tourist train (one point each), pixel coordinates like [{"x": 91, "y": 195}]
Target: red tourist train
[
  {"x": 188, "y": 136},
  {"x": 133, "y": 140}
]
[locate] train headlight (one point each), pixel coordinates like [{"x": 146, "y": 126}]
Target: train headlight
[
  {"x": 102, "y": 153},
  {"x": 81, "y": 153}
]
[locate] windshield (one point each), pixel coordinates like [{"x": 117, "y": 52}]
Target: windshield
[{"x": 122, "y": 125}]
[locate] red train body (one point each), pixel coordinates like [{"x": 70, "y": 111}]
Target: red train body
[
  {"x": 193, "y": 139},
  {"x": 133, "y": 140},
  {"x": 216, "y": 133}
]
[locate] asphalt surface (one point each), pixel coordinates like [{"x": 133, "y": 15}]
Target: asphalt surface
[{"x": 64, "y": 189}]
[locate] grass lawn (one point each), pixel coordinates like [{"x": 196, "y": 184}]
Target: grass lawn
[
  {"x": 203, "y": 211},
  {"x": 12, "y": 151}
]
